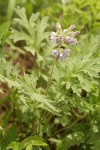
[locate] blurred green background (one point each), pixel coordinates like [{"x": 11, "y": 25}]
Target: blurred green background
[{"x": 84, "y": 13}]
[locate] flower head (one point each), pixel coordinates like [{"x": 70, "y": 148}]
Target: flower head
[
  {"x": 59, "y": 39},
  {"x": 53, "y": 37},
  {"x": 53, "y": 34},
  {"x": 68, "y": 39},
  {"x": 55, "y": 53},
  {"x": 67, "y": 52},
  {"x": 64, "y": 53},
  {"x": 62, "y": 38}
]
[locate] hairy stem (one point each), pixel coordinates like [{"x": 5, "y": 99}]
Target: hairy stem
[{"x": 49, "y": 80}]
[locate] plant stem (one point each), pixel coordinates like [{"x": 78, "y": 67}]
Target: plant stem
[
  {"x": 49, "y": 80},
  {"x": 69, "y": 127},
  {"x": 16, "y": 107}
]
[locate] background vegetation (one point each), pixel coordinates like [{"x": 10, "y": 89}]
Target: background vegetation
[{"x": 65, "y": 114}]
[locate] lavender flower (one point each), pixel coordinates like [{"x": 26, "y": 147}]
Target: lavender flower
[
  {"x": 61, "y": 56},
  {"x": 55, "y": 53},
  {"x": 53, "y": 40},
  {"x": 67, "y": 52},
  {"x": 73, "y": 41},
  {"x": 68, "y": 39},
  {"x": 64, "y": 54},
  {"x": 59, "y": 39},
  {"x": 53, "y": 37},
  {"x": 53, "y": 34}
]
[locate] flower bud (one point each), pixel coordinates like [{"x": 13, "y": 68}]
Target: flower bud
[
  {"x": 76, "y": 33},
  {"x": 73, "y": 41},
  {"x": 58, "y": 26},
  {"x": 72, "y": 27}
]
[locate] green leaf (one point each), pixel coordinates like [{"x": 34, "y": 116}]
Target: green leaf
[
  {"x": 32, "y": 141},
  {"x": 23, "y": 18},
  {"x": 33, "y": 31},
  {"x": 13, "y": 146},
  {"x": 41, "y": 26},
  {"x": 11, "y": 135},
  {"x": 34, "y": 18},
  {"x": 47, "y": 103},
  {"x": 28, "y": 143},
  {"x": 4, "y": 29},
  {"x": 70, "y": 140}
]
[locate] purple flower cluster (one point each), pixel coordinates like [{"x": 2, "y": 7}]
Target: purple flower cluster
[
  {"x": 70, "y": 40},
  {"x": 62, "y": 38},
  {"x": 62, "y": 54},
  {"x": 56, "y": 39}
]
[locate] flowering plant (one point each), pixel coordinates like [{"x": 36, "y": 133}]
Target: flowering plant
[
  {"x": 42, "y": 109},
  {"x": 62, "y": 38}
]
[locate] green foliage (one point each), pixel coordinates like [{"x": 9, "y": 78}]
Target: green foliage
[
  {"x": 4, "y": 31},
  {"x": 48, "y": 108},
  {"x": 33, "y": 31},
  {"x": 81, "y": 71},
  {"x": 10, "y": 136},
  {"x": 84, "y": 13},
  {"x": 10, "y": 10},
  {"x": 25, "y": 85},
  {"x": 32, "y": 96},
  {"x": 28, "y": 143},
  {"x": 76, "y": 91},
  {"x": 8, "y": 73},
  {"x": 71, "y": 140},
  {"x": 90, "y": 11}
]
